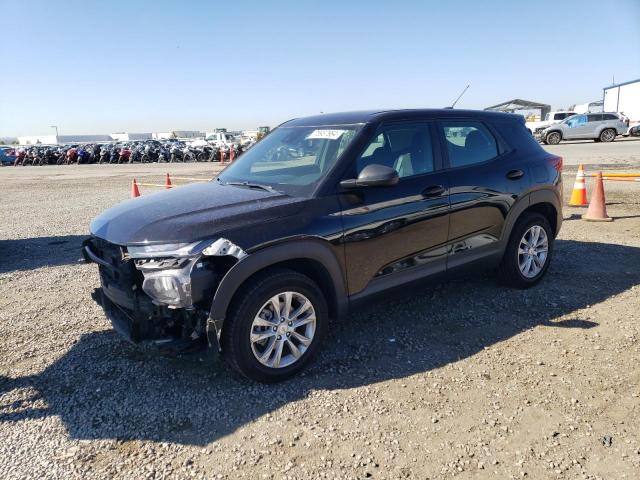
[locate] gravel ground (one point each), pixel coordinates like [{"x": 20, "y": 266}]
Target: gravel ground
[{"x": 466, "y": 379}]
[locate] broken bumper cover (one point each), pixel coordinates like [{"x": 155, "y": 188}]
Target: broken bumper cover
[
  {"x": 121, "y": 320},
  {"x": 155, "y": 298},
  {"x": 131, "y": 311}
]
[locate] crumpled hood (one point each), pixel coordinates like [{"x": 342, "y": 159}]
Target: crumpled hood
[{"x": 191, "y": 213}]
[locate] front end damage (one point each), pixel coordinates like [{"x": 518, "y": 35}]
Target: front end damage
[{"x": 161, "y": 294}]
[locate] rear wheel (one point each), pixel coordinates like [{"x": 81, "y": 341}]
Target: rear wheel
[
  {"x": 608, "y": 135},
  {"x": 275, "y": 327},
  {"x": 553, "y": 138},
  {"x": 528, "y": 253}
]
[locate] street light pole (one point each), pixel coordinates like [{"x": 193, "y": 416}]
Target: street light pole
[{"x": 56, "y": 127}]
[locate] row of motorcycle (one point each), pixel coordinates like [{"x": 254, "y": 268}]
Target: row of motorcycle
[{"x": 135, "y": 152}]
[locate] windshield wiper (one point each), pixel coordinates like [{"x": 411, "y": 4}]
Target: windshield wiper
[{"x": 267, "y": 188}]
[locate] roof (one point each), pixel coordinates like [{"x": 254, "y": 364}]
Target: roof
[
  {"x": 367, "y": 116},
  {"x": 517, "y": 104},
  {"x": 615, "y": 85}
]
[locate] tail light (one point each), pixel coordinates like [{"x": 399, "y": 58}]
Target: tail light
[{"x": 556, "y": 162}]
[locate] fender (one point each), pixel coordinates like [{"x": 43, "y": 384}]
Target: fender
[
  {"x": 514, "y": 213},
  {"x": 547, "y": 195},
  {"x": 309, "y": 249}
]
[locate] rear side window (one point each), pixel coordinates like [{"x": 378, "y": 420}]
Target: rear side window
[
  {"x": 594, "y": 117},
  {"x": 468, "y": 143},
  {"x": 609, "y": 116}
]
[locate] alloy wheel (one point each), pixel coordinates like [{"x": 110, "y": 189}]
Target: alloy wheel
[
  {"x": 607, "y": 135},
  {"x": 533, "y": 251},
  {"x": 283, "y": 329}
]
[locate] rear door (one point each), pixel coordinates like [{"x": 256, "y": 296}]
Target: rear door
[
  {"x": 595, "y": 124},
  {"x": 485, "y": 179}
]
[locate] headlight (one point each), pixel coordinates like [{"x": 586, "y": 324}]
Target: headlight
[
  {"x": 220, "y": 247},
  {"x": 166, "y": 249},
  {"x": 169, "y": 287},
  {"x": 169, "y": 269}
]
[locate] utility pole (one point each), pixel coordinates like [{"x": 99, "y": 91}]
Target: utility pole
[{"x": 56, "y": 127}]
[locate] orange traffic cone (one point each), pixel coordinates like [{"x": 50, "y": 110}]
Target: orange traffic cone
[
  {"x": 597, "y": 211},
  {"x": 135, "y": 192},
  {"x": 579, "y": 193},
  {"x": 167, "y": 182}
]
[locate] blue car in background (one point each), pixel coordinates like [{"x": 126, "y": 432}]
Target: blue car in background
[{"x": 7, "y": 156}]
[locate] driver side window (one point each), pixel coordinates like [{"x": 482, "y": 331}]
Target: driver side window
[
  {"x": 405, "y": 148},
  {"x": 576, "y": 121}
]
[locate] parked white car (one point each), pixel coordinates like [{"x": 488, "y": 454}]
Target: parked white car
[
  {"x": 221, "y": 139},
  {"x": 549, "y": 119}
]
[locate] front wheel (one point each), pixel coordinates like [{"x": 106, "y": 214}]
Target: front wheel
[
  {"x": 528, "y": 253},
  {"x": 275, "y": 327},
  {"x": 607, "y": 135},
  {"x": 553, "y": 138}
]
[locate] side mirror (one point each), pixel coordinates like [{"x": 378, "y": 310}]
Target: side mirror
[{"x": 373, "y": 175}]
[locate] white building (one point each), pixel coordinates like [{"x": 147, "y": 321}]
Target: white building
[
  {"x": 624, "y": 98},
  {"x": 129, "y": 137},
  {"x": 37, "y": 139},
  {"x": 53, "y": 139},
  {"x": 589, "y": 107},
  {"x": 182, "y": 134}
]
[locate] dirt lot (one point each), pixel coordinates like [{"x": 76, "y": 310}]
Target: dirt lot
[{"x": 467, "y": 379}]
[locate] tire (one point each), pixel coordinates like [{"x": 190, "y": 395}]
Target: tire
[
  {"x": 553, "y": 138},
  {"x": 249, "y": 305},
  {"x": 607, "y": 135},
  {"x": 509, "y": 271}
]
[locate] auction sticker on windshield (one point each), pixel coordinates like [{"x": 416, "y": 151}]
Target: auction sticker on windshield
[{"x": 327, "y": 134}]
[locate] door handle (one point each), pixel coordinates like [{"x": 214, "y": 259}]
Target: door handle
[
  {"x": 433, "y": 191},
  {"x": 515, "y": 174}
]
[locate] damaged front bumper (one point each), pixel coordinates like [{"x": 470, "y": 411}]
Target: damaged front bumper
[{"x": 161, "y": 300}]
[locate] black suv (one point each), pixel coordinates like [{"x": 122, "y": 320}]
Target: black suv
[{"x": 323, "y": 214}]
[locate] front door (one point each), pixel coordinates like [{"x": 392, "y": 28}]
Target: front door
[
  {"x": 578, "y": 127},
  {"x": 397, "y": 234}
]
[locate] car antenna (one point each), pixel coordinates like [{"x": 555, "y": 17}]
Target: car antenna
[{"x": 459, "y": 97}]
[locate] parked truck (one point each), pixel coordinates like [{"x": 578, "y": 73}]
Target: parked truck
[{"x": 624, "y": 98}]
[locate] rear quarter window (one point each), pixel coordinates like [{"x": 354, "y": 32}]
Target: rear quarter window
[{"x": 516, "y": 135}]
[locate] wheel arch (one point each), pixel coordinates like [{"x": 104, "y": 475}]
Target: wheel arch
[
  {"x": 558, "y": 131},
  {"x": 547, "y": 210},
  {"x": 311, "y": 257},
  {"x": 544, "y": 201}
]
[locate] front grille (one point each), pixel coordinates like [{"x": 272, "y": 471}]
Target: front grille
[
  {"x": 130, "y": 310},
  {"x": 121, "y": 270},
  {"x": 119, "y": 277}
]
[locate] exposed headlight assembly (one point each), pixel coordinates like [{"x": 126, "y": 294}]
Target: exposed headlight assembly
[
  {"x": 169, "y": 268},
  {"x": 170, "y": 287}
]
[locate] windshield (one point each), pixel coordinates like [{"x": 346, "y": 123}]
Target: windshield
[{"x": 292, "y": 160}]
